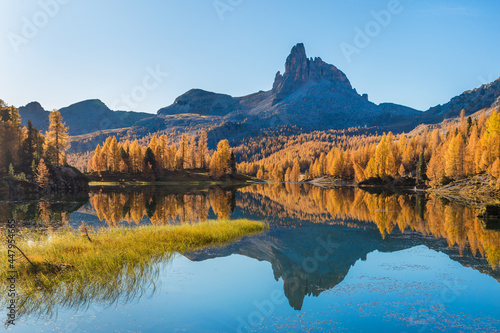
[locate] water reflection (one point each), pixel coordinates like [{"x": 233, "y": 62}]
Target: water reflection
[
  {"x": 290, "y": 204},
  {"x": 157, "y": 206},
  {"x": 316, "y": 234},
  {"x": 428, "y": 215},
  {"x": 42, "y": 214}
]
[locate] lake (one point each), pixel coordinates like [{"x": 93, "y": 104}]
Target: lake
[{"x": 333, "y": 260}]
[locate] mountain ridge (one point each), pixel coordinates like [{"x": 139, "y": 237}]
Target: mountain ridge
[
  {"x": 82, "y": 117},
  {"x": 310, "y": 94}
]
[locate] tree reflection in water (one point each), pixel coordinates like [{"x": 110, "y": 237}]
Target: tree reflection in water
[{"x": 357, "y": 221}]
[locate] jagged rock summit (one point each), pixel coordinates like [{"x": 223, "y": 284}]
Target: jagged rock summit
[
  {"x": 299, "y": 69},
  {"x": 310, "y": 93}
]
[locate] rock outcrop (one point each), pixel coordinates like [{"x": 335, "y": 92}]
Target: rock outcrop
[
  {"x": 486, "y": 96},
  {"x": 63, "y": 181},
  {"x": 67, "y": 179},
  {"x": 299, "y": 69},
  {"x": 34, "y": 111},
  {"x": 201, "y": 102},
  {"x": 310, "y": 93}
]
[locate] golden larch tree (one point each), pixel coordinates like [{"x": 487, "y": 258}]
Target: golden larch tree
[{"x": 56, "y": 139}]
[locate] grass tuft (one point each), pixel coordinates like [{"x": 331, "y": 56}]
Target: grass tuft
[{"x": 117, "y": 264}]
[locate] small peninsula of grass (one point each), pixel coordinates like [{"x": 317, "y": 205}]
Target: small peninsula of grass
[
  {"x": 110, "y": 249},
  {"x": 69, "y": 268}
]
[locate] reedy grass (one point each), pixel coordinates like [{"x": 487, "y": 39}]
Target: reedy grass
[{"x": 118, "y": 264}]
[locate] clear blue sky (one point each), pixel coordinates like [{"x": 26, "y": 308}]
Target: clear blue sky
[{"x": 430, "y": 51}]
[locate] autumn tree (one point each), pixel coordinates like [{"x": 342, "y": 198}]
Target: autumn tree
[
  {"x": 135, "y": 156},
  {"x": 454, "y": 157},
  {"x": 182, "y": 152},
  {"x": 219, "y": 164},
  {"x": 191, "y": 154},
  {"x": 57, "y": 139},
  {"x": 10, "y": 135},
  {"x": 288, "y": 173},
  {"x": 112, "y": 152},
  {"x": 42, "y": 174},
  {"x": 202, "y": 150},
  {"x": 97, "y": 161},
  {"x": 295, "y": 173}
]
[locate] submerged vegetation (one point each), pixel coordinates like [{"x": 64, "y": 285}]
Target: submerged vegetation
[{"x": 70, "y": 269}]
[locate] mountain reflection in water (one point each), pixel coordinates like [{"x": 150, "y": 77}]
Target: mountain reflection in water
[{"x": 316, "y": 234}]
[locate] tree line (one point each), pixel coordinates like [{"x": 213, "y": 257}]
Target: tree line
[
  {"x": 27, "y": 150},
  {"x": 446, "y": 153},
  {"x": 160, "y": 155}
]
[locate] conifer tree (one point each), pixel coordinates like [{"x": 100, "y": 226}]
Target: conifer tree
[
  {"x": 57, "y": 139},
  {"x": 28, "y": 146},
  {"x": 202, "y": 150},
  {"x": 150, "y": 159},
  {"x": 42, "y": 174},
  {"x": 182, "y": 152},
  {"x": 454, "y": 157},
  {"x": 421, "y": 167},
  {"x": 295, "y": 174}
]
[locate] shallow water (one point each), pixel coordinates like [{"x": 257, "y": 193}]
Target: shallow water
[{"x": 333, "y": 260}]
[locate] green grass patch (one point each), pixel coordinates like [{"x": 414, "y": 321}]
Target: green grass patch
[{"x": 68, "y": 270}]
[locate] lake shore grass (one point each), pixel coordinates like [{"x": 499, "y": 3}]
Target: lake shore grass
[
  {"x": 111, "y": 249},
  {"x": 73, "y": 269}
]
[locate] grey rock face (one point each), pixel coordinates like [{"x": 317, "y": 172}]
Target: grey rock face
[
  {"x": 201, "y": 102},
  {"x": 299, "y": 69},
  {"x": 310, "y": 93},
  {"x": 38, "y": 116},
  {"x": 471, "y": 101}
]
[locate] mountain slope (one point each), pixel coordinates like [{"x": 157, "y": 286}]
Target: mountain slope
[
  {"x": 34, "y": 111},
  {"x": 485, "y": 97},
  {"x": 311, "y": 93},
  {"x": 83, "y": 117},
  {"x": 201, "y": 102}
]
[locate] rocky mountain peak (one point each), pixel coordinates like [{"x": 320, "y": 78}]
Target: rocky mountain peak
[
  {"x": 34, "y": 106},
  {"x": 299, "y": 69}
]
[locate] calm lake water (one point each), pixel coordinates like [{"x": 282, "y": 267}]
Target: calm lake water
[{"x": 333, "y": 260}]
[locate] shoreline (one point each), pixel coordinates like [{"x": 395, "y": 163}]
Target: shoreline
[{"x": 475, "y": 191}]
